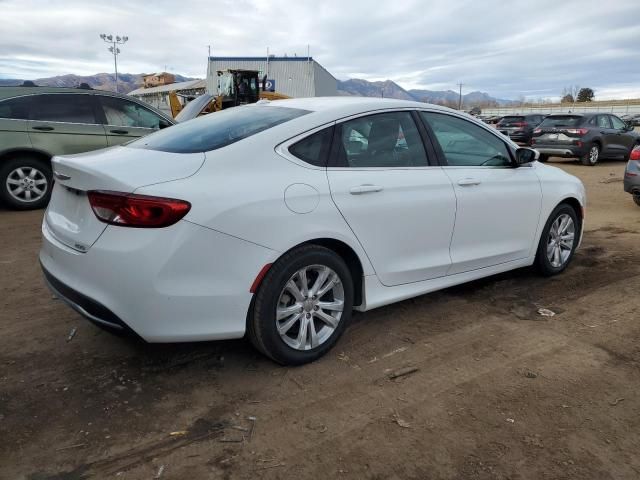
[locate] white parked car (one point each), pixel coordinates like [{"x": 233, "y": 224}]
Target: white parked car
[{"x": 275, "y": 220}]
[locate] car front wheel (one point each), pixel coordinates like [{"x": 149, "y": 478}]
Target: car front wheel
[
  {"x": 558, "y": 241},
  {"x": 25, "y": 183},
  {"x": 302, "y": 306}
]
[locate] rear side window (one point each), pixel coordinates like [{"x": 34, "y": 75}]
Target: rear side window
[
  {"x": 562, "y": 121},
  {"x": 383, "y": 140},
  {"x": 124, "y": 113},
  {"x": 15, "y": 108},
  {"x": 217, "y": 130},
  {"x": 313, "y": 149},
  {"x": 60, "y": 107}
]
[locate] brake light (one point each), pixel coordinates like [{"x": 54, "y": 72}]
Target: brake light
[
  {"x": 635, "y": 154},
  {"x": 141, "y": 211},
  {"x": 577, "y": 131}
]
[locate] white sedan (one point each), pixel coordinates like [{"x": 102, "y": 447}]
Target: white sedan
[{"x": 276, "y": 220}]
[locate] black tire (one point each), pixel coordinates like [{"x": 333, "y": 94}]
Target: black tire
[
  {"x": 543, "y": 158},
  {"x": 542, "y": 262},
  {"x": 261, "y": 321},
  {"x": 592, "y": 156},
  {"x": 636, "y": 198},
  {"x": 8, "y": 173}
]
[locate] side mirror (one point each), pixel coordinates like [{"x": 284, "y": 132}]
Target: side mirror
[
  {"x": 526, "y": 155},
  {"x": 629, "y": 127}
]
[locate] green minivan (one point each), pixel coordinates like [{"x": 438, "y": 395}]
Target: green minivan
[{"x": 37, "y": 123}]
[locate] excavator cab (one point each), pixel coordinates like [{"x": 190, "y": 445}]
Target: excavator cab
[{"x": 237, "y": 87}]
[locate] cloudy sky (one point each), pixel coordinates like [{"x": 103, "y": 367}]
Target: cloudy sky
[{"x": 508, "y": 49}]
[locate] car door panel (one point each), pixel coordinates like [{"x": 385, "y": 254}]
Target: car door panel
[
  {"x": 126, "y": 120},
  {"x": 498, "y": 210},
  {"x": 65, "y": 124},
  {"x": 497, "y": 205},
  {"x": 623, "y": 141},
  {"x": 402, "y": 215}
]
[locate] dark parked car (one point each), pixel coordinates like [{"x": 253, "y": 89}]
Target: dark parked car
[
  {"x": 632, "y": 175},
  {"x": 519, "y": 128},
  {"x": 587, "y": 136},
  {"x": 37, "y": 123}
]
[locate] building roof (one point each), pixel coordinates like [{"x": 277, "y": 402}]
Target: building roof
[
  {"x": 189, "y": 85},
  {"x": 272, "y": 58}
]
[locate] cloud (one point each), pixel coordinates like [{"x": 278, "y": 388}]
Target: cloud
[{"x": 507, "y": 49}]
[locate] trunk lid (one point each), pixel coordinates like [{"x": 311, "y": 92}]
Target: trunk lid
[
  {"x": 69, "y": 217},
  {"x": 559, "y": 130}
]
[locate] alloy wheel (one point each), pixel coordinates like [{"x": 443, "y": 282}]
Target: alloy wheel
[
  {"x": 310, "y": 307},
  {"x": 560, "y": 241},
  {"x": 27, "y": 184},
  {"x": 593, "y": 155}
]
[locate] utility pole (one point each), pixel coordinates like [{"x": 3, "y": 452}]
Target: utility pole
[
  {"x": 114, "y": 42},
  {"x": 460, "y": 97}
]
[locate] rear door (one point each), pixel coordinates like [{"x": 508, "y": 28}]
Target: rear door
[
  {"x": 399, "y": 206},
  {"x": 65, "y": 123},
  {"x": 125, "y": 120},
  {"x": 498, "y": 206},
  {"x": 14, "y": 115}
]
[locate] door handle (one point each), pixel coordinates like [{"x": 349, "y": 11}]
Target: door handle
[
  {"x": 467, "y": 182},
  {"x": 359, "y": 190},
  {"x": 43, "y": 128},
  {"x": 120, "y": 132}
]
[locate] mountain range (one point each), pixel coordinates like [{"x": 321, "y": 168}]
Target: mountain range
[
  {"x": 101, "y": 81},
  {"x": 352, "y": 87}
]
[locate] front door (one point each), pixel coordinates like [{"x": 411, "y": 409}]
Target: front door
[
  {"x": 400, "y": 208},
  {"x": 622, "y": 142},
  {"x": 65, "y": 123},
  {"x": 498, "y": 206},
  {"x": 126, "y": 120}
]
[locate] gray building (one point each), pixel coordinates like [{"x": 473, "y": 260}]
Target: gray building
[{"x": 292, "y": 76}]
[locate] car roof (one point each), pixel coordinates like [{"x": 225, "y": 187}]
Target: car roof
[
  {"x": 345, "y": 106},
  {"x": 8, "y": 92}
]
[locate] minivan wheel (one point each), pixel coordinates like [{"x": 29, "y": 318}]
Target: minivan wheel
[
  {"x": 591, "y": 157},
  {"x": 558, "y": 241},
  {"x": 302, "y": 306},
  {"x": 25, "y": 183}
]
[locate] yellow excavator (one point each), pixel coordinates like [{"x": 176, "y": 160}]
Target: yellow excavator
[{"x": 234, "y": 88}]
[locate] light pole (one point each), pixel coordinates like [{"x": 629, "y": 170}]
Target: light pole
[{"x": 114, "y": 42}]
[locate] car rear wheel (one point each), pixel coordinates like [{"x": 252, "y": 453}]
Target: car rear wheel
[
  {"x": 558, "y": 241},
  {"x": 302, "y": 306},
  {"x": 543, "y": 158},
  {"x": 636, "y": 198},
  {"x": 591, "y": 157},
  {"x": 25, "y": 183}
]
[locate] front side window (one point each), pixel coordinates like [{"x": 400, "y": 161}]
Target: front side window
[
  {"x": 617, "y": 123},
  {"x": 465, "y": 144},
  {"x": 61, "y": 107},
  {"x": 381, "y": 140},
  {"x": 314, "y": 148},
  {"x": 124, "y": 113},
  {"x": 218, "y": 130},
  {"x": 15, "y": 108}
]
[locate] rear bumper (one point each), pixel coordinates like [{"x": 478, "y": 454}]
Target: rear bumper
[
  {"x": 569, "y": 151},
  {"x": 632, "y": 184},
  {"x": 181, "y": 283}
]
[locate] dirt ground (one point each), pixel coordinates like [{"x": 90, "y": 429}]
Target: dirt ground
[{"x": 500, "y": 391}]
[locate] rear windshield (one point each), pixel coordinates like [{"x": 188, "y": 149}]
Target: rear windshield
[
  {"x": 217, "y": 130},
  {"x": 562, "y": 121},
  {"x": 512, "y": 118}
]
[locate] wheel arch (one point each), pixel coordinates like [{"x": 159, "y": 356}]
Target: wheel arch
[{"x": 39, "y": 155}]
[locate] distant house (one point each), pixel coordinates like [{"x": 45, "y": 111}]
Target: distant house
[{"x": 157, "y": 79}]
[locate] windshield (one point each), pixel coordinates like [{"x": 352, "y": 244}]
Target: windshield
[
  {"x": 194, "y": 107},
  {"x": 217, "y": 130},
  {"x": 561, "y": 121}
]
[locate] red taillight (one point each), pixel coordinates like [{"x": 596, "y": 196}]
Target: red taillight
[
  {"x": 635, "y": 154},
  {"x": 142, "y": 211},
  {"x": 577, "y": 131},
  {"x": 537, "y": 131}
]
